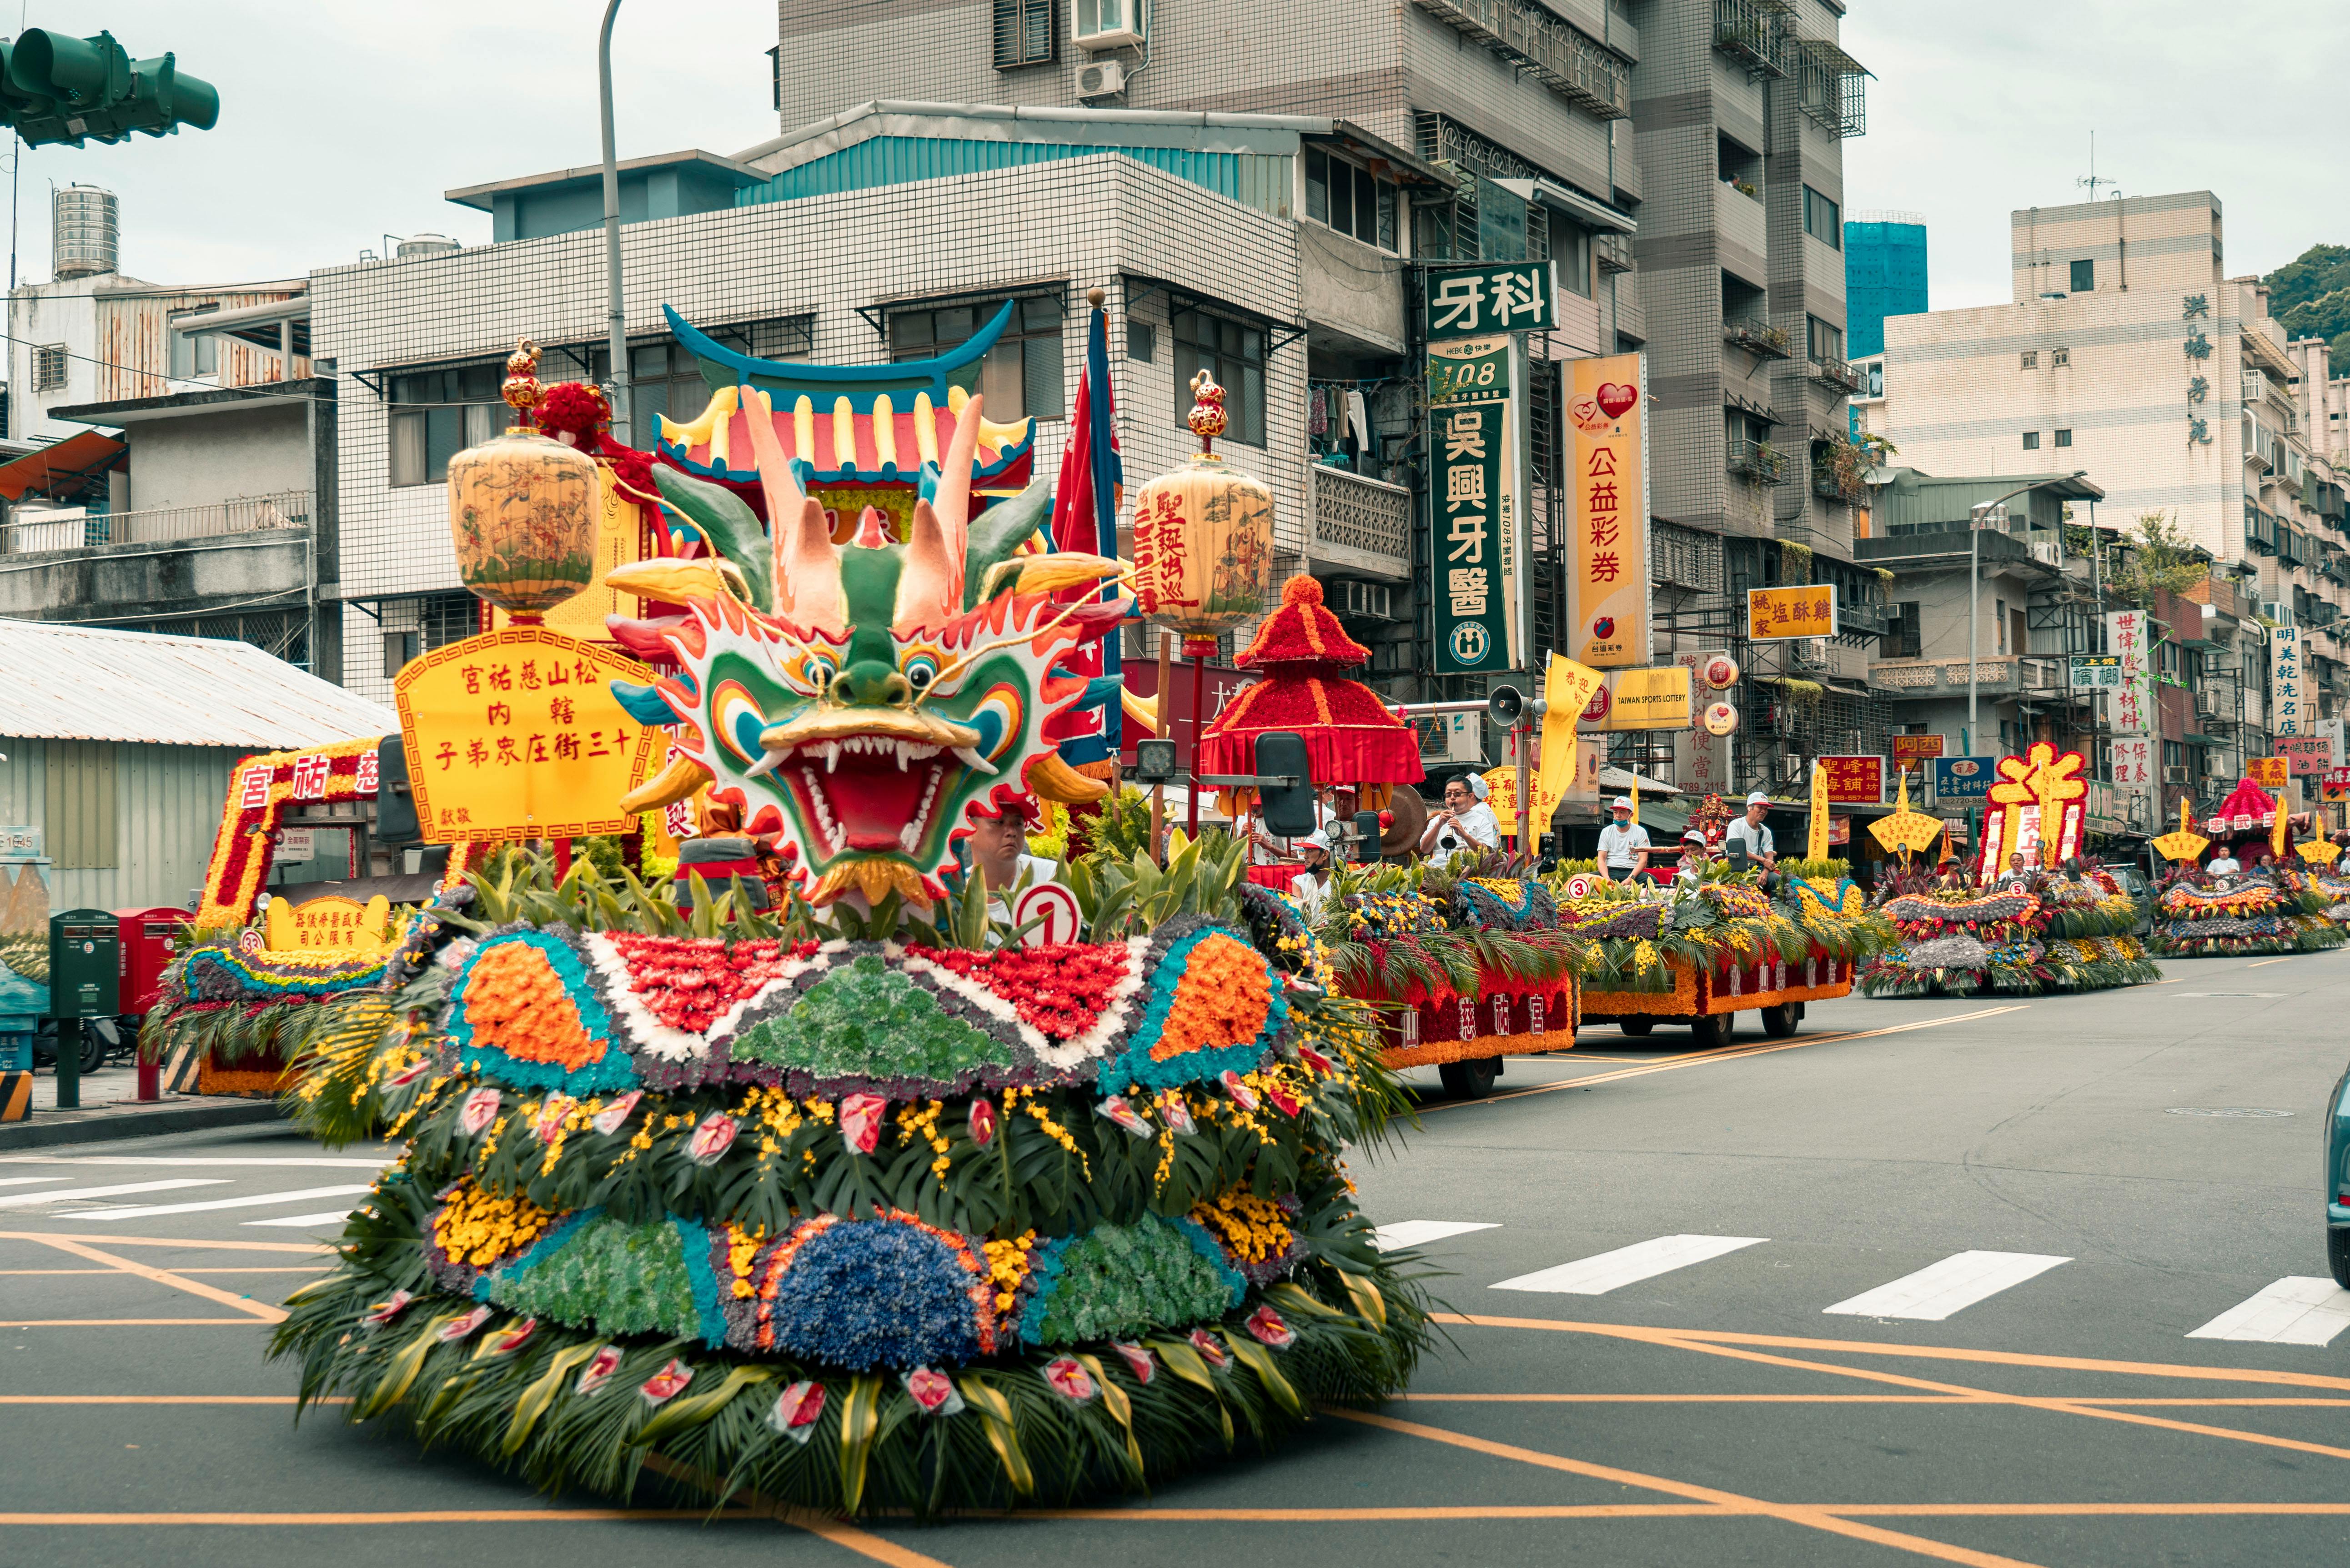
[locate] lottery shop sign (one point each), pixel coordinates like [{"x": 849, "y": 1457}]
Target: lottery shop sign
[{"x": 515, "y": 734}]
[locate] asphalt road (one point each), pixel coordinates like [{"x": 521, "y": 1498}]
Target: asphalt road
[{"x": 1969, "y": 1281}]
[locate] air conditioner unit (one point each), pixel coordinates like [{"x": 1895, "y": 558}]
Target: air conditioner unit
[
  {"x": 2175, "y": 774},
  {"x": 1109, "y": 25},
  {"x": 1791, "y": 770},
  {"x": 2049, "y": 553},
  {"x": 1374, "y": 601},
  {"x": 1101, "y": 78},
  {"x": 2207, "y": 704}
]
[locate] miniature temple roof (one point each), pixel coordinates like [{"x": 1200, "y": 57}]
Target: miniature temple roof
[{"x": 1303, "y": 632}]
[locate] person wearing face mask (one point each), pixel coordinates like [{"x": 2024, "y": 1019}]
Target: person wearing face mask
[
  {"x": 1624, "y": 846},
  {"x": 1466, "y": 820},
  {"x": 1312, "y": 886}
]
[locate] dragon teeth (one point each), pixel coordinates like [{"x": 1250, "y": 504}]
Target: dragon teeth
[{"x": 972, "y": 759}]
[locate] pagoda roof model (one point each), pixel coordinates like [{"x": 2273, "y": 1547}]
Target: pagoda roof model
[{"x": 1350, "y": 735}]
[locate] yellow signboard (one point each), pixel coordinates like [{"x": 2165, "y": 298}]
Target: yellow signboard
[
  {"x": 1816, "y": 843},
  {"x": 1806, "y": 609},
  {"x": 2268, "y": 773},
  {"x": 1655, "y": 697},
  {"x": 1607, "y": 566},
  {"x": 2318, "y": 852},
  {"x": 515, "y": 734},
  {"x": 1501, "y": 784},
  {"x": 331, "y": 922}
]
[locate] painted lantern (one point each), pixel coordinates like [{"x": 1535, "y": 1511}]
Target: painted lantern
[
  {"x": 522, "y": 508},
  {"x": 1203, "y": 538}
]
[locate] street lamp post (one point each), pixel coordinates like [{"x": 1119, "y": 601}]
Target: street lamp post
[
  {"x": 1974, "y": 585},
  {"x": 618, "y": 322}
]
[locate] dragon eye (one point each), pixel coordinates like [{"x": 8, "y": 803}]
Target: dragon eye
[
  {"x": 812, "y": 669},
  {"x": 920, "y": 670}
]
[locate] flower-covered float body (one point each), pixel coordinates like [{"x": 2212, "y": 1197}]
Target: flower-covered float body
[
  {"x": 825, "y": 1204},
  {"x": 2069, "y": 934}
]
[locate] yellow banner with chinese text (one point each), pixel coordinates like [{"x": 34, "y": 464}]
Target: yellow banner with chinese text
[{"x": 1805, "y": 610}]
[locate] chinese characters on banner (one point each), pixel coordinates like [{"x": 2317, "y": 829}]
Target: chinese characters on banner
[
  {"x": 2304, "y": 755},
  {"x": 2268, "y": 773},
  {"x": 2335, "y": 784},
  {"x": 1608, "y": 564},
  {"x": 1854, "y": 779},
  {"x": 1474, "y": 494},
  {"x": 515, "y": 734},
  {"x": 1806, "y": 609},
  {"x": 2096, "y": 672},
  {"x": 1475, "y": 299},
  {"x": 2130, "y": 712},
  {"x": 2286, "y": 715},
  {"x": 1912, "y": 752},
  {"x": 2133, "y": 761}
]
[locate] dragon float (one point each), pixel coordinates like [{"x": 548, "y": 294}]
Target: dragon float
[{"x": 845, "y": 1200}]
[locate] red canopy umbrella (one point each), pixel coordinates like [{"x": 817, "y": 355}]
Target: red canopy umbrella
[
  {"x": 2248, "y": 809},
  {"x": 1350, "y": 736}
]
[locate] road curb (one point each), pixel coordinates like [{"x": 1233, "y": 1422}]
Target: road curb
[{"x": 44, "y": 1131}]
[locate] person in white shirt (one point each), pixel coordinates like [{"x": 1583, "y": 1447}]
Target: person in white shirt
[
  {"x": 999, "y": 855},
  {"x": 2225, "y": 864},
  {"x": 1623, "y": 844},
  {"x": 1311, "y": 886},
  {"x": 1466, "y": 820},
  {"x": 1689, "y": 872},
  {"x": 1750, "y": 831},
  {"x": 1266, "y": 850}
]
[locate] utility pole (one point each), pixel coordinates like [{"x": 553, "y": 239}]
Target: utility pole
[{"x": 618, "y": 323}]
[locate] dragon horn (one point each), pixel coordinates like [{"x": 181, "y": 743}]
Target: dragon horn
[
  {"x": 1050, "y": 778},
  {"x": 952, "y": 502},
  {"x": 807, "y": 568}
]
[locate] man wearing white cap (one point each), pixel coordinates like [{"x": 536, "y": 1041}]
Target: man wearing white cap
[
  {"x": 1311, "y": 886},
  {"x": 1750, "y": 831},
  {"x": 1623, "y": 844},
  {"x": 1466, "y": 822}
]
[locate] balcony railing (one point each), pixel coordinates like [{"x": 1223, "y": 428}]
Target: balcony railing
[
  {"x": 1838, "y": 373},
  {"x": 1366, "y": 517},
  {"x": 1759, "y": 337},
  {"x": 1571, "y": 65},
  {"x": 1758, "y": 460},
  {"x": 39, "y": 532}
]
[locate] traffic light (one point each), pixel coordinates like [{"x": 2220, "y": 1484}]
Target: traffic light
[{"x": 55, "y": 87}]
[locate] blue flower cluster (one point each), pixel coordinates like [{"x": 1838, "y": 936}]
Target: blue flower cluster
[{"x": 869, "y": 1293}]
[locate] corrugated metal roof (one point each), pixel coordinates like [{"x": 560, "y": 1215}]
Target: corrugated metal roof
[{"x": 91, "y": 683}]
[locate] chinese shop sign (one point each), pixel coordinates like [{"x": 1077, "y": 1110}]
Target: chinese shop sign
[
  {"x": 2335, "y": 784},
  {"x": 1607, "y": 566},
  {"x": 2131, "y": 710},
  {"x": 1475, "y": 504},
  {"x": 1807, "y": 609},
  {"x": 2268, "y": 773},
  {"x": 515, "y": 734},
  {"x": 1653, "y": 697},
  {"x": 2096, "y": 672},
  {"x": 1475, "y": 299},
  {"x": 2304, "y": 754},
  {"x": 2133, "y": 761},
  {"x": 1854, "y": 779},
  {"x": 2287, "y": 714}
]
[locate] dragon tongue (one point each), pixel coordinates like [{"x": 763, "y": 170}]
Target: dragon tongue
[{"x": 870, "y": 797}]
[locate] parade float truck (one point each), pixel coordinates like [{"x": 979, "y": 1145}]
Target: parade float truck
[
  {"x": 870, "y": 1199},
  {"x": 1701, "y": 955},
  {"x": 2271, "y": 907}
]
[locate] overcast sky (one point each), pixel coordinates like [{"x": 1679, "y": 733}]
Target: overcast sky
[
  {"x": 342, "y": 123},
  {"x": 1984, "y": 107}
]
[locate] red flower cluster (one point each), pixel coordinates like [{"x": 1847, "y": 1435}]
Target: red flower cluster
[
  {"x": 1059, "y": 992},
  {"x": 688, "y": 981}
]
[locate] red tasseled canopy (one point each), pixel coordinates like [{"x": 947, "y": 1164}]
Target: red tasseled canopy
[
  {"x": 1350, "y": 733},
  {"x": 2247, "y": 806}
]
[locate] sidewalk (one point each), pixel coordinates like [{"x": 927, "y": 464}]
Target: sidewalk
[{"x": 109, "y": 1112}]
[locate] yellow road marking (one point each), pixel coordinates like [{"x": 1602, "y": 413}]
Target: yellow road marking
[
  {"x": 864, "y": 1542},
  {"x": 1736, "y": 1054},
  {"x": 1918, "y": 1352},
  {"x": 420, "y": 1516},
  {"x": 2265, "y": 962},
  {"x": 280, "y": 1269},
  {"x": 126, "y": 1323},
  {"x": 1146, "y": 1515},
  {"x": 312, "y": 1248},
  {"x": 1798, "y": 1399},
  {"x": 251, "y": 1308},
  {"x": 1727, "y": 1501}
]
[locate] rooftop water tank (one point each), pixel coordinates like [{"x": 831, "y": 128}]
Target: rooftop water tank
[
  {"x": 424, "y": 246},
  {"x": 85, "y": 232}
]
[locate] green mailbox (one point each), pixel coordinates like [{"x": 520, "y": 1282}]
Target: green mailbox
[{"x": 85, "y": 964}]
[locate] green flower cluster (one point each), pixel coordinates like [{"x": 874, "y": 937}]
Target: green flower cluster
[
  {"x": 869, "y": 1021},
  {"x": 622, "y": 1278},
  {"x": 1117, "y": 1281}
]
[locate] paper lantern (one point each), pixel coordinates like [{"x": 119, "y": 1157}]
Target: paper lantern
[
  {"x": 1202, "y": 538},
  {"x": 522, "y": 508}
]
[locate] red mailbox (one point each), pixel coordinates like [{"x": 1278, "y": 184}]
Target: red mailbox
[{"x": 146, "y": 948}]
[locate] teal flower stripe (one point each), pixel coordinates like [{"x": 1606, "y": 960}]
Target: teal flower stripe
[
  {"x": 538, "y": 1252},
  {"x": 1135, "y": 1066},
  {"x": 612, "y": 1070}
]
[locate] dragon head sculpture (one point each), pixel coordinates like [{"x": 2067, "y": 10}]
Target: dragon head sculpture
[{"x": 863, "y": 700}]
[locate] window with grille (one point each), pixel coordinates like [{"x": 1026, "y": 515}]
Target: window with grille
[
  {"x": 1349, "y": 198},
  {"x": 1904, "y": 632},
  {"x": 1019, "y": 378},
  {"x": 1023, "y": 33},
  {"x": 444, "y": 618},
  {"x": 1234, "y": 355},
  {"x": 1823, "y": 219},
  {"x": 49, "y": 366},
  {"x": 2032, "y": 359},
  {"x": 445, "y": 411}
]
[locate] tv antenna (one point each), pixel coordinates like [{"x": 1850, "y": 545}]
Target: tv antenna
[{"x": 2093, "y": 179}]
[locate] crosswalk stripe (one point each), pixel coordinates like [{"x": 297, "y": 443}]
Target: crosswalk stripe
[
  {"x": 331, "y": 1216},
  {"x": 322, "y": 1161},
  {"x": 1940, "y": 1290},
  {"x": 30, "y": 1180},
  {"x": 2299, "y": 1309},
  {"x": 1595, "y": 1276},
  {"x": 1419, "y": 1232},
  {"x": 260, "y": 1200},
  {"x": 27, "y": 1200}
]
